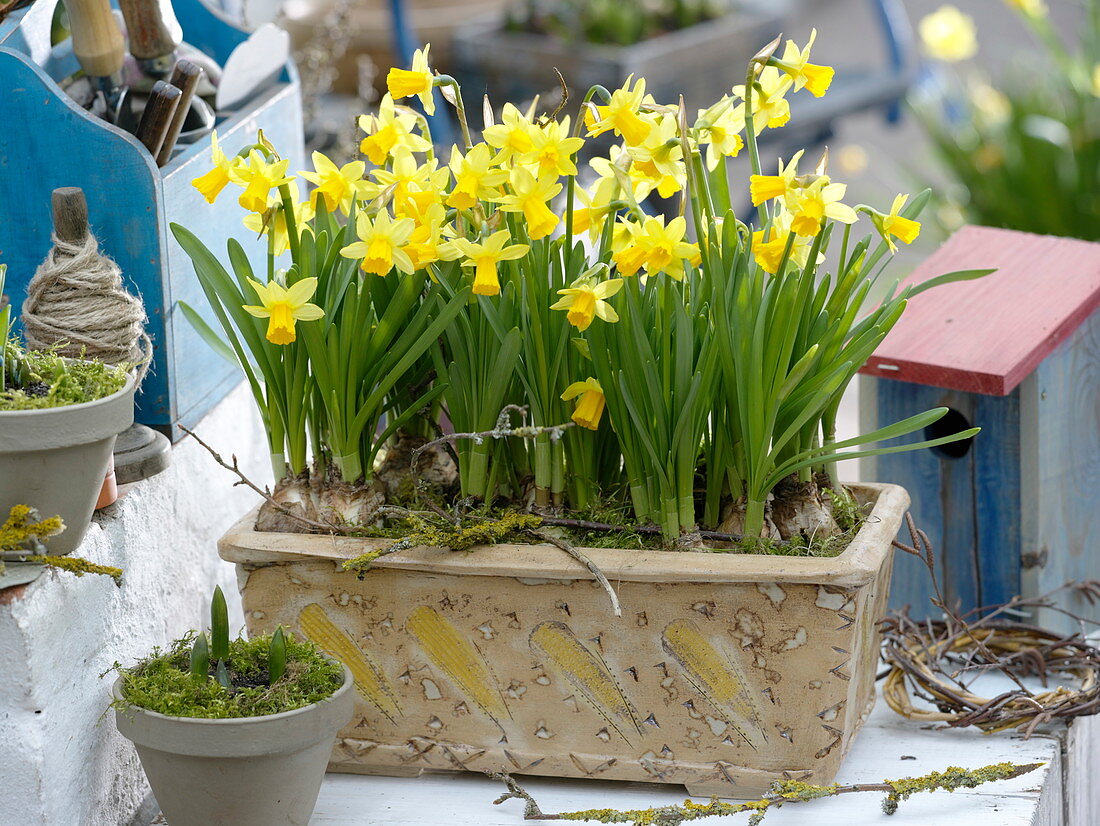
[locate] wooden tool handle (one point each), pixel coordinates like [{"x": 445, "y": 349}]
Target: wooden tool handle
[
  {"x": 185, "y": 76},
  {"x": 97, "y": 42},
  {"x": 157, "y": 117},
  {"x": 152, "y": 27},
  {"x": 70, "y": 214}
]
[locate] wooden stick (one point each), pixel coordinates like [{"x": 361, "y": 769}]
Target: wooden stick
[
  {"x": 157, "y": 117},
  {"x": 185, "y": 76}
]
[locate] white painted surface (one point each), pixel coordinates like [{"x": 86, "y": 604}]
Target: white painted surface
[
  {"x": 879, "y": 751},
  {"x": 61, "y": 761}
]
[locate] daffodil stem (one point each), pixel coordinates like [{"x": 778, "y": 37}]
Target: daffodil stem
[
  {"x": 291, "y": 224},
  {"x": 351, "y": 466},
  {"x": 557, "y": 473},
  {"x": 543, "y": 470},
  {"x": 754, "y": 518},
  {"x": 460, "y": 107}
]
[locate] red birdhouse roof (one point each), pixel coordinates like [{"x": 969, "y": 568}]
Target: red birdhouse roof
[{"x": 987, "y": 335}]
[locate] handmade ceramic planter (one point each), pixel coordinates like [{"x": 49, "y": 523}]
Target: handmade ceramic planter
[
  {"x": 56, "y": 459},
  {"x": 723, "y": 672},
  {"x": 247, "y": 771}
]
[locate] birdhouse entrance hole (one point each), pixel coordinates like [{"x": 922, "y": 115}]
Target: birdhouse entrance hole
[{"x": 952, "y": 422}]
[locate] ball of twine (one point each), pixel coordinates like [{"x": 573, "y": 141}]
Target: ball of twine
[{"x": 77, "y": 304}]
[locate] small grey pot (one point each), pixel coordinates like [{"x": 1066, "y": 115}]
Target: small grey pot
[
  {"x": 240, "y": 771},
  {"x": 55, "y": 459}
]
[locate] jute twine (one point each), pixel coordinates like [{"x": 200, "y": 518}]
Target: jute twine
[{"x": 76, "y": 303}]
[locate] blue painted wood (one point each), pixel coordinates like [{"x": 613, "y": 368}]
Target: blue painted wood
[
  {"x": 1061, "y": 472},
  {"x": 997, "y": 499},
  {"x": 47, "y": 142}
]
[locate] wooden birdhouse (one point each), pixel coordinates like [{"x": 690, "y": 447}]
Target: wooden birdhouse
[{"x": 1016, "y": 509}]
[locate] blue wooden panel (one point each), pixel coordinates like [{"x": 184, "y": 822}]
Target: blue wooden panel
[
  {"x": 47, "y": 142},
  {"x": 997, "y": 495},
  {"x": 1061, "y": 536},
  {"x": 969, "y": 505}
]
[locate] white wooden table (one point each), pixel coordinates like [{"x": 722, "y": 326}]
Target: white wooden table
[{"x": 888, "y": 747}]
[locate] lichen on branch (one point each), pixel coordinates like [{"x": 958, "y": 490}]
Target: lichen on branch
[{"x": 782, "y": 792}]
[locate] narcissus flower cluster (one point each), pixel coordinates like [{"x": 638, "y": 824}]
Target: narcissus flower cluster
[{"x": 650, "y": 337}]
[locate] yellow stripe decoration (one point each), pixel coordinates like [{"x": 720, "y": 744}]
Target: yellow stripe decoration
[
  {"x": 370, "y": 680},
  {"x": 718, "y": 677},
  {"x": 556, "y": 643},
  {"x": 458, "y": 658}
]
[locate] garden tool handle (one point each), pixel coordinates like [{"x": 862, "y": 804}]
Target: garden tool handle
[
  {"x": 152, "y": 28},
  {"x": 97, "y": 41},
  {"x": 157, "y": 117},
  {"x": 185, "y": 76},
  {"x": 70, "y": 214}
]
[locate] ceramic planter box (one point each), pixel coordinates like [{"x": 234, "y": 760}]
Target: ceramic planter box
[
  {"x": 702, "y": 62},
  {"x": 722, "y": 672}
]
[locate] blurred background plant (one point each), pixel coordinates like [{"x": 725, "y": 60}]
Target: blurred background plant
[
  {"x": 1024, "y": 147},
  {"x": 611, "y": 22}
]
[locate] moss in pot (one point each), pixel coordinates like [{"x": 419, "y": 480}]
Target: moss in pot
[
  {"x": 234, "y": 731},
  {"x": 58, "y": 422}
]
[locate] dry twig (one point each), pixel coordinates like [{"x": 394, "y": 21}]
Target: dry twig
[{"x": 781, "y": 793}]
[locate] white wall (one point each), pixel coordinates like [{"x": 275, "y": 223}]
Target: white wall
[{"x": 61, "y": 761}]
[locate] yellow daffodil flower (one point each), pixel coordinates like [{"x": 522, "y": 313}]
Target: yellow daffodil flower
[
  {"x": 894, "y": 225},
  {"x": 388, "y": 130},
  {"x": 483, "y": 257},
  {"x": 769, "y": 253},
  {"x": 597, "y": 202},
  {"x": 379, "y": 248},
  {"x": 553, "y": 150},
  {"x": 418, "y": 80},
  {"x": 426, "y": 244},
  {"x": 423, "y": 182},
  {"x": 657, "y": 161},
  {"x": 589, "y": 409},
  {"x": 719, "y": 129},
  {"x": 769, "y": 187},
  {"x": 274, "y": 220},
  {"x": 338, "y": 185},
  {"x": 530, "y": 196},
  {"x": 259, "y": 177},
  {"x": 769, "y": 105},
  {"x": 949, "y": 35},
  {"x": 654, "y": 246},
  {"x": 475, "y": 176},
  {"x": 284, "y": 306},
  {"x": 213, "y": 182},
  {"x": 621, "y": 114},
  {"x": 1096, "y": 80},
  {"x": 1032, "y": 8},
  {"x": 585, "y": 300},
  {"x": 514, "y": 136},
  {"x": 796, "y": 64},
  {"x": 811, "y": 204}
]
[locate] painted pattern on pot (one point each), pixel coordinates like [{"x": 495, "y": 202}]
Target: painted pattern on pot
[{"x": 720, "y": 686}]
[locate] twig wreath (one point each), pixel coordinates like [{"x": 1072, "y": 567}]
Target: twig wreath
[{"x": 937, "y": 660}]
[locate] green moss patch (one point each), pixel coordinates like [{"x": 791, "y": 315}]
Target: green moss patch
[
  {"x": 47, "y": 380},
  {"x": 163, "y": 683}
]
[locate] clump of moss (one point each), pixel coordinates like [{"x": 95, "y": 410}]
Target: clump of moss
[
  {"x": 510, "y": 525},
  {"x": 43, "y": 380},
  {"x": 163, "y": 681}
]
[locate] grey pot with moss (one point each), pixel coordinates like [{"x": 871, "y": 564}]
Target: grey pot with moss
[
  {"x": 234, "y": 732},
  {"x": 58, "y": 422}
]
